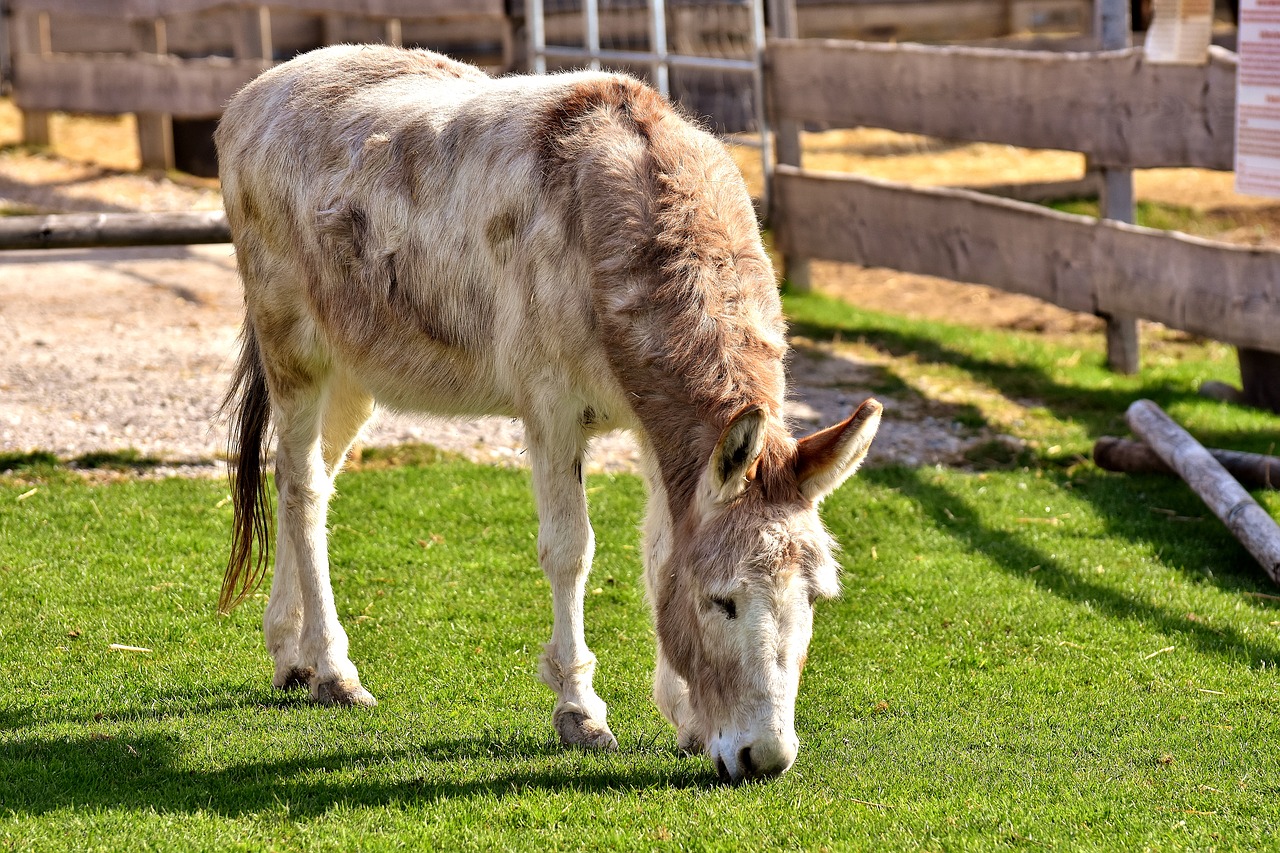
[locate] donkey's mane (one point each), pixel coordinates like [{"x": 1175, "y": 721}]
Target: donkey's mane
[{"x": 685, "y": 297}]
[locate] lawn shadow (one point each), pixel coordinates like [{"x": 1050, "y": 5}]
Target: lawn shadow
[
  {"x": 1100, "y": 410},
  {"x": 155, "y": 772},
  {"x": 1016, "y": 555},
  {"x": 147, "y": 752}
]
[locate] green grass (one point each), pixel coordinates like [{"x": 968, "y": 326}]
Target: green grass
[
  {"x": 1167, "y": 217},
  {"x": 1056, "y": 394},
  {"x": 1034, "y": 655}
]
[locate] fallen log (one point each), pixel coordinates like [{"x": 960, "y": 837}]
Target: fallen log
[
  {"x": 1253, "y": 470},
  {"x": 1247, "y": 521},
  {"x": 103, "y": 230}
]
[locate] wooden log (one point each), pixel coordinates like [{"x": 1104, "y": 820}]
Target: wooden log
[
  {"x": 101, "y": 230},
  {"x": 1247, "y": 521},
  {"x": 1253, "y": 470}
]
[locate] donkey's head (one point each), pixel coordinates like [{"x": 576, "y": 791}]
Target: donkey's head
[{"x": 736, "y": 584}]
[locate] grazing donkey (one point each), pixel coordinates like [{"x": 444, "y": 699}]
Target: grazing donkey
[{"x": 563, "y": 249}]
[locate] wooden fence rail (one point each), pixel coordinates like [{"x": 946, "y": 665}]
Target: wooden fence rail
[
  {"x": 1229, "y": 293},
  {"x": 1119, "y": 110},
  {"x": 1111, "y": 106},
  {"x": 146, "y": 9},
  {"x": 183, "y": 88}
]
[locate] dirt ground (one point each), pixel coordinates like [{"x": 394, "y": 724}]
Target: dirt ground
[{"x": 106, "y": 350}]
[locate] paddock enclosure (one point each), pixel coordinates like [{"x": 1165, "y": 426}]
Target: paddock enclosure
[{"x": 174, "y": 63}]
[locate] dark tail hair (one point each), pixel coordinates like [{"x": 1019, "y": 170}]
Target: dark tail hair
[{"x": 250, "y": 406}]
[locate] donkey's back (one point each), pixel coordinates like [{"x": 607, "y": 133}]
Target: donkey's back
[{"x": 396, "y": 221}]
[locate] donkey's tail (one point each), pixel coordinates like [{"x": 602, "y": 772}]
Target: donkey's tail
[{"x": 249, "y": 404}]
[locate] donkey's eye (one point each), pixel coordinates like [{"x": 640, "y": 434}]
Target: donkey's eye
[{"x": 728, "y": 606}]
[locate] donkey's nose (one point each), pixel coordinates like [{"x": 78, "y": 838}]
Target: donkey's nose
[{"x": 767, "y": 758}]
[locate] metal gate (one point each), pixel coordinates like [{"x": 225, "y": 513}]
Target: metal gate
[{"x": 705, "y": 54}]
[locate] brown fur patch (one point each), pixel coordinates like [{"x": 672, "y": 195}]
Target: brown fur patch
[{"x": 500, "y": 233}]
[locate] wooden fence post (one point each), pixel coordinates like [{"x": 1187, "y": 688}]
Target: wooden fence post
[
  {"x": 155, "y": 130},
  {"x": 1112, "y": 29},
  {"x": 253, "y": 37},
  {"x": 786, "y": 147},
  {"x": 31, "y": 34},
  {"x": 1260, "y": 378}
]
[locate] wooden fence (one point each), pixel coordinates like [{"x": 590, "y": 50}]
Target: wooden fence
[
  {"x": 164, "y": 59},
  {"x": 1119, "y": 110},
  {"x": 182, "y": 59}
]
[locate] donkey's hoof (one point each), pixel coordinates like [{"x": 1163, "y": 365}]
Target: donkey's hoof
[
  {"x": 577, "y": 729},
  {"x": 294, "y": 678},
  {"x": 342, "y": 693}
]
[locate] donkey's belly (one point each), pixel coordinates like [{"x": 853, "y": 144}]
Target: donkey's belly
[{"x": 408, "y": 370}]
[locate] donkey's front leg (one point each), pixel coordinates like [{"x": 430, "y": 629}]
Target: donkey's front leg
[{"x": 565, "y": 544}]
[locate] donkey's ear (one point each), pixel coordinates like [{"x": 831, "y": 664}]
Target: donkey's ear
[
  {"x": 827, "y": 458},
  {"x": 735, "y": 454}
]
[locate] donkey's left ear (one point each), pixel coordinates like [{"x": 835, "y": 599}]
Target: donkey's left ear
[
  {"x": 735, "y": 455},
  {"x": 827, "y": 458}
]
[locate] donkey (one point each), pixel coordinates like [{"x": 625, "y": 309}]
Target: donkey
[{"x": 564, "y": 249}]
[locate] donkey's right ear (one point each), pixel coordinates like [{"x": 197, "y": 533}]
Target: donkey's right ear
[
  {"x": 827, "y": 458},
  {"x": 735, "y": 455}
]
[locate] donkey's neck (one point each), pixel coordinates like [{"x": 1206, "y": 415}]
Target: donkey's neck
[{"x": 691, "y": 348}]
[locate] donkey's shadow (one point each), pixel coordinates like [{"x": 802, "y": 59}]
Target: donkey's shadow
[{"x": 111, "y": 768}]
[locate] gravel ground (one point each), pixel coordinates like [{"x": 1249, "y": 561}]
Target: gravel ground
[
  {"x": 131, "y": 349},
  {"x": 109, "y": 350}
]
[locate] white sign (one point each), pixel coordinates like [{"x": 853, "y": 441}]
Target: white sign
[
  {"x": 1180, "y": 32},
  {"x": 1258, "y": 99}
]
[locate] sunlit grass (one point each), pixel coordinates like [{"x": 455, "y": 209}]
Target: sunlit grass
[{"x": 1034, "y": 654}]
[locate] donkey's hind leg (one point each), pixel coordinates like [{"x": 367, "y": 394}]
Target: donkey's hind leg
[
  {"x": 304, "y": 479},
  {"x": 346, "y": 409},
  {"x": 565, "y": 545}
]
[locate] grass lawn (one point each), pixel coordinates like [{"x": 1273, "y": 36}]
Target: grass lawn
[{"x": 1031, "y": 654}]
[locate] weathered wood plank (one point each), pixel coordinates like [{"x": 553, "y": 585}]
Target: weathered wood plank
[
  {"x": 132, "y": 9},
  {"x": 955, "y": 234},
  {"x": 111, "y": 84},
  {"x": 1112, "y": 106},
  {"x": 1230, "y": 293},
  {"x": 99, "y": 230},
  {"x": 939, "y": 20}
]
